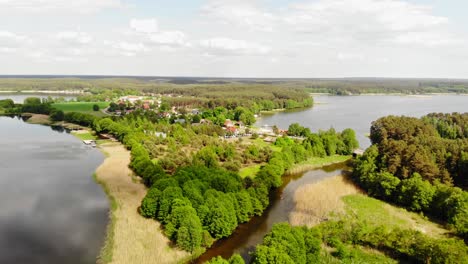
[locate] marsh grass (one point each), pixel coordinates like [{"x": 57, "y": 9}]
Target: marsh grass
[
  {"x": 315, "y": 202},
  {"x": 315, "y": 163},
  {"x": 131, "y": 238}
]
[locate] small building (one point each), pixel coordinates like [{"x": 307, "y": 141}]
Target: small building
[
  {"x": 358, "y": 152},
  {"x": 228, "y": 123}
]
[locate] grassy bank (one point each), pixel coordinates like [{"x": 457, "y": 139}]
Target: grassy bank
[
  {"x": 335, "y": 197},
  {"x": 317, "y": 162},
  {"x": 131, "y": 238}
]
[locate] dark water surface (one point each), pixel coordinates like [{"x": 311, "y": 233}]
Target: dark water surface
[
  {"x": 248, "y": 235},
  {"x": 51, "y": 210},
  {"x": 357, "y": 112}
]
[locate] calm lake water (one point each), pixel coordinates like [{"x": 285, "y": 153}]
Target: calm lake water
[
  {"x": 358, "y": 112},
  {"x": 52, "y": 211},
  {"x": 19, "y": 98},
  {"x": 339, "y": 112},
  {"x": 248, "y": 235}
]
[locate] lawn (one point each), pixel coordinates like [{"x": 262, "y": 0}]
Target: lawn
[
  {"x": 84, "y": 136},
  {"x": 249, "y": 171},
  {"x": 81, "y": 107},
  {"x": 376, "y": 212}
]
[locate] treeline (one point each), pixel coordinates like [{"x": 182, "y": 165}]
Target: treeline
[
  {"x": 352, "y": 241},
  {"x": 284, "y": 243},
  {"x": 414, "y": 165},
  {"x": 404, "y": 86},
  {"x": 324, "y": 143}
]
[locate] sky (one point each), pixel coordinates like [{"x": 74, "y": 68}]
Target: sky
[{"x": 236, "y": 38}]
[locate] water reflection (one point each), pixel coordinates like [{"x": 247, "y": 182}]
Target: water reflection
[
  {"x": 248, "y": 235},
  {"x": 51, "y": 209}
]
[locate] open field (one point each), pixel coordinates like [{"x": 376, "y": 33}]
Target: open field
[
  {"x": 380, "y": 213},
  {"x": 82, "y": 107},
  {"x": 131, "y": 237}
]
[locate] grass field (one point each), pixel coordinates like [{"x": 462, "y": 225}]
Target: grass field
[
  {"x": 81, "y": 107},
  {"x": 249, "y": 171},
  {"x": 380, "y": 213}
]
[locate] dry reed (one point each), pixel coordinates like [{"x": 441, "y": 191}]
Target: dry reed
[
  {"x": 315, "y": 202},
  {"x": 134, "y": 238}
]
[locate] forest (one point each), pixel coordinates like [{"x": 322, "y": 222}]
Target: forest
[
  {"x": 206, "y": 89},
  {"x": 420, "y": 164}
]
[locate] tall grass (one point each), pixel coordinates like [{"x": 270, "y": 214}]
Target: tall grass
[
  {"x": 131, "y": 238},
  {"x": 315, "y": 202}
]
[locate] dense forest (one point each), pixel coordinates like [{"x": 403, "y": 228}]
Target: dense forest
[
  {"x": 420, "y": 164},
  {"x": 221, "y": 89}
]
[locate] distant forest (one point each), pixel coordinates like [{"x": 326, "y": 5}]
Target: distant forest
[{"x": 206, "y": 86}]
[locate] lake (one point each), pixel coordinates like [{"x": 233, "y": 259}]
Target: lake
[
  {"x": 19, "y": 98},
  {"x": 52, "y": 211},
  {"x": 248, "y": 235},
  {"x": 339, "y": 112},
  {"x": 358, "y": 112}
]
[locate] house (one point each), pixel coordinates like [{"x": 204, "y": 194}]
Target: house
[
  {"x": 231, "y": 131},
  {"x": 228, "y": 123},
  {"x": 146, "y": 106},
  {"x": 240, "y": 124}
]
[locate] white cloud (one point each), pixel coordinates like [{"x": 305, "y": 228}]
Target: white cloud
[
  {"x": 58, "y": 6},
  {"x": 368, "y": 21},
  {"x": 227, "y": 46},
  {"x": 10, "y": 42},
  {"x": 144, "y": 25},
  {"x": 74, "y": 37},
  {"x": 168, "y": 38},
  {"x": 128, "y": 49},
  {"x": 245, "y": 13}
]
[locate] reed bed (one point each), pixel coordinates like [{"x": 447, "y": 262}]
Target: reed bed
[
  {"x": 316, "y": 202},
  {"x": 131, "y": 238}
]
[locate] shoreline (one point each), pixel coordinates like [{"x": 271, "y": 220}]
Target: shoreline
[{"x": 131, "y": 238}]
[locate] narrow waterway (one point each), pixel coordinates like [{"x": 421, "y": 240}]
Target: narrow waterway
[
  {"x": 52, "y": 211},
  {"x": 248, "y": 235}
]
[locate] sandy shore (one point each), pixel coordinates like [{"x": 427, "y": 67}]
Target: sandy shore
[{"x": 132, "y": 238}]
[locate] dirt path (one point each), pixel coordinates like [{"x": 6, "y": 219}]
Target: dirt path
[{"x": 135, "y": 239}]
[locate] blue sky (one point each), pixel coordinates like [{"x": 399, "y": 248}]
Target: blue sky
[{"x": 235, "y": 38}]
